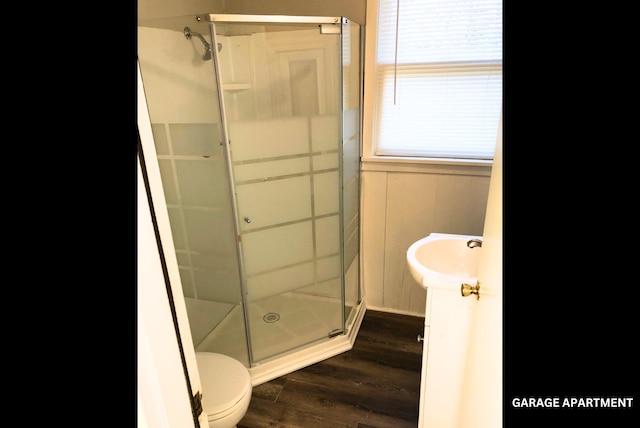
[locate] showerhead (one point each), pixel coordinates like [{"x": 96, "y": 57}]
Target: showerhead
[
  {"x": 207, "y": 55},
  {"x": 207, "y": 47}
]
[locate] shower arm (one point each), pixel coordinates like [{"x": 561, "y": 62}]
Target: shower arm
[{"x": 188, "y": 34}]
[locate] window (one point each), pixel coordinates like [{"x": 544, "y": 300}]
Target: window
[{"x": 439, "y": 78}]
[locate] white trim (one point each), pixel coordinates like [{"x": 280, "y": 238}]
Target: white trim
[
  {"x": 174, "y": 396},
  {"x": 427, "y": 165}
]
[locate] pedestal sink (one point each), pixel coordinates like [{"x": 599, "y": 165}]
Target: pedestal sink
[{"x": 445, "y": 260}]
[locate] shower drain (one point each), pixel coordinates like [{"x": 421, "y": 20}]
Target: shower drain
[{"x": 271, "y": 317}]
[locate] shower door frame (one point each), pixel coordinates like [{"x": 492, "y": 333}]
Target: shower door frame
[{"x": 326, "y": 23}]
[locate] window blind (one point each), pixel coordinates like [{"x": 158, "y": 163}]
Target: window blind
[{"x": 442, "y": 96}]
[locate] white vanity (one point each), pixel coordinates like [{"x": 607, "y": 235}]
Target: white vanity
[{"x": 446, "y": 265}]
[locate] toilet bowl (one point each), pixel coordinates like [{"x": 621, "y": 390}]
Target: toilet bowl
[{"x": 226, "y": 389}]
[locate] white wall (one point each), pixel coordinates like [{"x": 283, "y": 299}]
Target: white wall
[
  {"x": 400, "y": 207},
  {"x": 482, "y": 388}
]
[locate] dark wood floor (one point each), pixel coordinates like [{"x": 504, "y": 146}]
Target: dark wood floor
[{"x": 374, "y": 385}]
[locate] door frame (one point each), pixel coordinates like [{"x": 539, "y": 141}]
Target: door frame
[{"x": 165, "y": 348}]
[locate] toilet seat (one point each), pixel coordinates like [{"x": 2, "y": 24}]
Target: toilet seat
[{"x": 226, "y": 384}]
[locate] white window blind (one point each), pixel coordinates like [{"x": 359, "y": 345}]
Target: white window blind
[{"x": 440, "y": 86}]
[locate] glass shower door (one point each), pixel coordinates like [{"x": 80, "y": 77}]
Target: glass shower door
[
  {"x": 282, "y": 90},
  {"x": 182, "y": 99}
]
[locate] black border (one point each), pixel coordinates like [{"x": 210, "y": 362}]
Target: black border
[{"x": 569, "y": 217}]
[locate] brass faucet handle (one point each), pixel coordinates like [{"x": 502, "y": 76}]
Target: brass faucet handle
[{"x": 467, "y": 290}]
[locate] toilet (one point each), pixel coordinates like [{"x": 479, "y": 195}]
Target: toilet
[{"x": 226, "y": 389}]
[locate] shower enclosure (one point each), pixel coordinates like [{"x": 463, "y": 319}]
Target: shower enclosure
[{"x": 256, "y": 128}]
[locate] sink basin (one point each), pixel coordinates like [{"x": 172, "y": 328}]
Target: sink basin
[{"x": 444, "y": 260}]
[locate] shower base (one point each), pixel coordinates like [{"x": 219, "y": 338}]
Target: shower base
[{"x": 288, "y": 332}]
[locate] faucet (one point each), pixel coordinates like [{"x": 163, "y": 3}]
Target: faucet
[{"x": 473, "y": 243}]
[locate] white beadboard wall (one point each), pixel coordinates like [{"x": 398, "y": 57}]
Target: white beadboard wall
[{"x": 402, "y": 206}]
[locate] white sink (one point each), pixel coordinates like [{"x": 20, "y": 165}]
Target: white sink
[{"x": 444, "y": 260}]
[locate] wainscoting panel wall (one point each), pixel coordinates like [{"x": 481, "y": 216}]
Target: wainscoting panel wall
[{"x": 400, "y": 207}]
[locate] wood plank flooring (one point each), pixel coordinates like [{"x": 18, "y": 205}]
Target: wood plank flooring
[{"x": 374, "y": 385}]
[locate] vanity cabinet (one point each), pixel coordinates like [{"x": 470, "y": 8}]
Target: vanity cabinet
[{"x": 445, "y": 341}]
